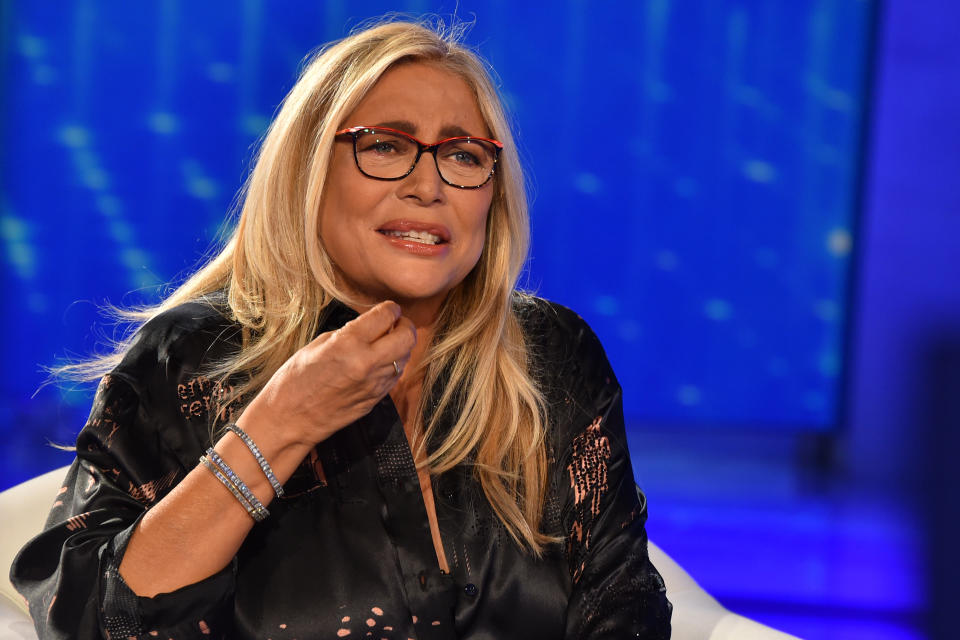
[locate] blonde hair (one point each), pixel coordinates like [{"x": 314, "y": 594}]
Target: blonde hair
[{"x": 278, "y": 278}]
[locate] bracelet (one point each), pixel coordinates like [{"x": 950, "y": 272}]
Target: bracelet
[
  {"x": 267, "y": 471},
  {"x": 229, "y": 485},
  {"x": 257, "y": 506},
  {"x": 254, "y": 506}
]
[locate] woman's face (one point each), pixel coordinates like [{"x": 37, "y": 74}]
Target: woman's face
[{"x": 361, "y": 219}]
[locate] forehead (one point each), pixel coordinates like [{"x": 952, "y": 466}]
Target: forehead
[{"x": 425, "y": 96}]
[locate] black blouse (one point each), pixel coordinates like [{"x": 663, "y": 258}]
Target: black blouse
[{"x": 347, "y": 552}]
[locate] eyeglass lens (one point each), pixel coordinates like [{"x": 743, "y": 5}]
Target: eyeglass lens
[{"x": 461, "y": 161}]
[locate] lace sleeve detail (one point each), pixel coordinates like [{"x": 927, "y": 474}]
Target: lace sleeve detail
[{"x": 616, "y": 591}]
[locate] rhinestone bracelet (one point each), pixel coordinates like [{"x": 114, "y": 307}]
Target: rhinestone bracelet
[
  {"x": 267, "y": 471},
  {"x": 229, "y": 485},
  {"x": 256, "y": 508}
]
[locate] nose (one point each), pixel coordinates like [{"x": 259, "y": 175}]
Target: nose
[{"x": 424, "y": 182}]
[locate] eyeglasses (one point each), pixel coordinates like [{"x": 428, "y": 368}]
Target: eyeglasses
[{"x": 464, "y": 162}]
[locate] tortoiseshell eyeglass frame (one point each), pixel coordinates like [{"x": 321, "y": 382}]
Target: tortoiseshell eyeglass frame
[{"x": 354, "y": 133}]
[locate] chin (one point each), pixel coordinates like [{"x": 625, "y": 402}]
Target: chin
[
  {"x": 419, "y": 283},
  {"x": 412, "y": 293}
]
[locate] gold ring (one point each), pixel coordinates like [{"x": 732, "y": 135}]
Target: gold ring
[{"x": 396, "y": 367}]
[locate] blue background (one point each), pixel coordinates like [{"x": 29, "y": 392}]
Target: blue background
[
  {"x": 694, "y": 175},
  {"x": 767, "y": 247}
]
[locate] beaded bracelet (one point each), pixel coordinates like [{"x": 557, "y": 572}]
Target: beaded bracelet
[
  {"x": 229, "y": 485},
  {"x": 267, "y": 471},
  {"x": 254, "y": 506}
]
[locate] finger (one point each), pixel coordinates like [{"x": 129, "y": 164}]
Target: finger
[
  {"x": 389, "y": 373},
  {"x": 323, "y": 337},
  {"x": 386, "y": 374},
  {"x": 374, "y": 323},
  {"x": 396, "y": 344},
  {"x": 396, "y": 367}
]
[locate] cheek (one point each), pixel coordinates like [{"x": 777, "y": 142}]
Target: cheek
[
  {"x": 481, "y": 235},
  {"x": 478, "y": 236},
  {"x": 345, "y": 202},
  {"x": 332, "y": 203},
  {"x": 483, "y": 219}
]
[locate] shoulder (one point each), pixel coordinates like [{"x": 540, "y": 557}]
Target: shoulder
[
  {"x": 189, "y": 336},
  {"x": 566, "y": 354},
  {"x": 556, "y": 332},
  {"x": 541, "y": 315}
]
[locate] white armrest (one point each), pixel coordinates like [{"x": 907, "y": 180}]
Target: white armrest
[
  {"x": 14, "y": 623},
  {"x": 734, "y": 626},
  {"x": 697, "y": 615},
  {"x": 23, "y": 511}
]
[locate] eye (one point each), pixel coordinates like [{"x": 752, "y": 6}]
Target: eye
[
  {"x": 382, "y": 147},
  {"x": 466, "y": 153},
  {"x": 464, "y": 157},
  {"x": 380, "y": 144}
]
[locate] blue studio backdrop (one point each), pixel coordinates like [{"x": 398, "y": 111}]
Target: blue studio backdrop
[{"x": 694, "y": 170}]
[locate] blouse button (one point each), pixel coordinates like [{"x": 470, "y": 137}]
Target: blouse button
[{"x": 470, "y": 589}]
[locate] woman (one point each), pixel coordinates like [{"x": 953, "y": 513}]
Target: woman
[{"x": 393, "y": 441}]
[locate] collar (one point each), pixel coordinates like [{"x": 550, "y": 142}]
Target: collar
[{"x": 335, "y": 315}]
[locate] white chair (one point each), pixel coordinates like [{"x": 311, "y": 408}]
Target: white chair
[
  {"x": 697, "y": 615},
  {"x": 23, "y": 510}
]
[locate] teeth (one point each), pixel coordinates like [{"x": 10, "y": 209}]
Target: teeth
[{"x": 417, "y": 236}]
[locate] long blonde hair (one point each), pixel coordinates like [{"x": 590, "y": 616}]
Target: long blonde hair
[{"x": 278, "y": 278}]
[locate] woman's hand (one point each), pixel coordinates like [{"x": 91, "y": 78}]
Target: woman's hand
[
  {"x": 337, "y": 378},
  {"x": 196, "y": 529}
]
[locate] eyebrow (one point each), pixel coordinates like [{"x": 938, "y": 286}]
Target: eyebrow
[{"x": 448, "y": 131}]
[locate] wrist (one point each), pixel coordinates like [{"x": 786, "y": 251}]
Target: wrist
[
  {"x": 282, "y": 451},
  {"x": 274, "y": 433}
]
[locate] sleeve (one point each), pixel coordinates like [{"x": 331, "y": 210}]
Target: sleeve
[
  {"x": 68, "y": 573},
  {"x": 616, "y": 591}
]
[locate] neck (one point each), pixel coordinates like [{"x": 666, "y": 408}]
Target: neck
[
  {"x": 406, "y": 393},
  {"x": 422, "y": 313}
]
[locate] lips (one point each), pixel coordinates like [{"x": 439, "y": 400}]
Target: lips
[
  {"x": 418, "y": 232},
  {"x": 416, "y": 236}
]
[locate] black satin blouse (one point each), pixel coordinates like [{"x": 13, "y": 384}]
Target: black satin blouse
[{"x": 347, "y": 552}]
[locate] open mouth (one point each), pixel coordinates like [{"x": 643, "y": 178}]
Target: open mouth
[{"x": 423, "y": 237}]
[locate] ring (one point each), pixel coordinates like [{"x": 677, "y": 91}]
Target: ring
[{"x": 396, "y": 367}]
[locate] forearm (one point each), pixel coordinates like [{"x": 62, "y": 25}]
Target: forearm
[{"x": 198, "y": 527}]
